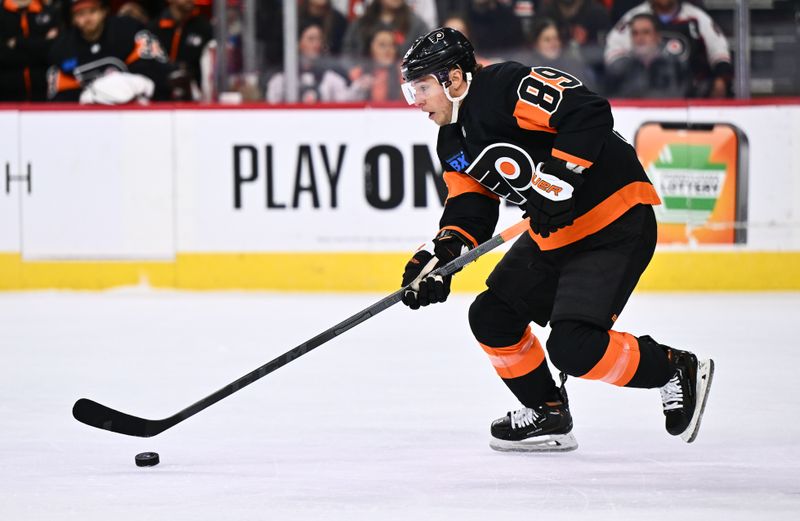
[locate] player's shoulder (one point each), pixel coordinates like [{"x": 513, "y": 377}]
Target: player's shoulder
[{"x": 500, "y": 75}]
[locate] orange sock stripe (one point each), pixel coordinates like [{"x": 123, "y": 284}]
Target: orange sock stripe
[
  {"x": 620, "y": 361},
  {"x": 519, "y": 359}
]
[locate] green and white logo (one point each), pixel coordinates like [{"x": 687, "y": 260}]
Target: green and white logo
[{"x": 687, "y": 182}]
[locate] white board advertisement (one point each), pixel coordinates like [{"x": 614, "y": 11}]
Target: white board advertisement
[
  {"x": 143, "y": 184},
  {"x": 307, "y": 180},
  {"x": 102, "y": 185},
  {"x": 14, "y": 182}
]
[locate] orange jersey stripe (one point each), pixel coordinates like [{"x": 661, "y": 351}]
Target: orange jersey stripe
[
  {"x": 458, "y": 183},
  {"x": 176, "y": 40},
  {"x": 608, "y": 211},
  {"x": 519, "y": 359},
  {"x": 570, "y": 158},
  {"x": 620, "y": 361},
  {"x": 23, "y": 23},
  {"x": 531, "y": 117}
]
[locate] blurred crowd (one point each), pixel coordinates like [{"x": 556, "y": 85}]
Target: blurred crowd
[
  {"x": 116, "y": 51},
  {"x": 104, "y": 51}
]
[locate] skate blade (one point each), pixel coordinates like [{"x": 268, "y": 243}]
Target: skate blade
[
  {"x": 705, "y": 373},
  {"x": 548, "y": 443}
]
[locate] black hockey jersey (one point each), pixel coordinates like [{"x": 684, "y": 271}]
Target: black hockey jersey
[
  {"x": 26, "y": 35},
  {"x": 183, "y": 42},
  {"x": 516, "y": 116},
  {"x": 125, "y": 46}
]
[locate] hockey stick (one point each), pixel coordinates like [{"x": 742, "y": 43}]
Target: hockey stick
[{"x": 98, "y": 415}]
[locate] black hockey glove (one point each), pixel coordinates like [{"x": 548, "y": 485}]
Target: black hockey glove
[
  {"x": 550, "y": 204},
  {"x": 423, "y": 289}
]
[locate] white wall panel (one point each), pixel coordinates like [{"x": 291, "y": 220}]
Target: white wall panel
[
  {"x": 11, "y": 188},
  {"x": 103, "y": 185}
]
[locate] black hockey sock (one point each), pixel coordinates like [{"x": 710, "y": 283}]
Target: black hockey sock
[{"x": 654, "y": 367}]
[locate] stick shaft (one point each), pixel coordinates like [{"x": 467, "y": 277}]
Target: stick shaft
[{"x": 100, "y": 416}]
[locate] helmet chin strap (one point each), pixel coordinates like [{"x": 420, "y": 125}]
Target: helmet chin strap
[{"x": 457, "y": 101}]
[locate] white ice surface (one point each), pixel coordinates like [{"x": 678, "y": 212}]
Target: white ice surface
[{"x": 388, "y": 421}]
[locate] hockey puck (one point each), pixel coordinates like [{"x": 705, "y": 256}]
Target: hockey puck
[{"x": 147, "y": 459}]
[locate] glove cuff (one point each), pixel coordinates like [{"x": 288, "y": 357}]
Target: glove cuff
[{"x": 461, "y": 235}]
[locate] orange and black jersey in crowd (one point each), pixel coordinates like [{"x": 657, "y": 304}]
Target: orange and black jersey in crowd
[
  {"x": 516, "y": 116},
  {"x": 26, "y": 35},
  {"x": 183, "y": 42},
  {"x": 125, "y": 46}
]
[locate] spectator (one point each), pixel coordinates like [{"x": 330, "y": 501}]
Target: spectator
[
  {"x": 379, "y": 78},
  {"x": 106, "y": 59},
  {"x": 319, "y": 79},
  {"x": 583, "y": 25},
  {"x": 652, "y": 69},
  {"x": 548, "y": 50},
  {"x": 394, "y": 15},
  {"x": 28, "y": 29},
  {"x": 692, "y": 28},
  {"x": 184, "y": 35},
  {"x": 333, "y": 23},
  {"x": 494, "y": 27}
]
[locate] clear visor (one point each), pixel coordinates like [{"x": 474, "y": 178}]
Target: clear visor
[{"x": 419, "y": 88}]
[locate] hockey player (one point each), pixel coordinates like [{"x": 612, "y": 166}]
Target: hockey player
[
  {"x": 118, "y": 51},
  {"x": 538, "y": 138},
  {"x": 28, "y": 29},
  {"x": 184, "y": 34}
]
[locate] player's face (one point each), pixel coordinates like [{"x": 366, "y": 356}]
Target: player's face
[
  {"x": 430, "y": 98},
  {"x": 89, "y": 20}
]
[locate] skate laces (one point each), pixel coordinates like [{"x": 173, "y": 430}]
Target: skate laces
[
  {"x": 523, "y": 417},
  {"x": 672, "y": 393}
]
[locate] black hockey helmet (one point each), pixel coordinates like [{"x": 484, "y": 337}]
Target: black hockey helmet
[{"x": 436, "y": 53}]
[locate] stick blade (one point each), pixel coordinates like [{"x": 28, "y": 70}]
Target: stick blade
[{"x": 98, "y": 415}]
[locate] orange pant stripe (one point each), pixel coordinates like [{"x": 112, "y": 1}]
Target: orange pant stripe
[
  {"x": 620, "y": 361},
  {"x": 519, "y": 359}
]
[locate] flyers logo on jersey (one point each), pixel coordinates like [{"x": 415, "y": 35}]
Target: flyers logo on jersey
[{"x": 509, "y": 171}]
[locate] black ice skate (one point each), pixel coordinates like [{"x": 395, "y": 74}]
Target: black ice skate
[
  {"x": 546, "y": 428},
  {"x": 684, "y": 396}
]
